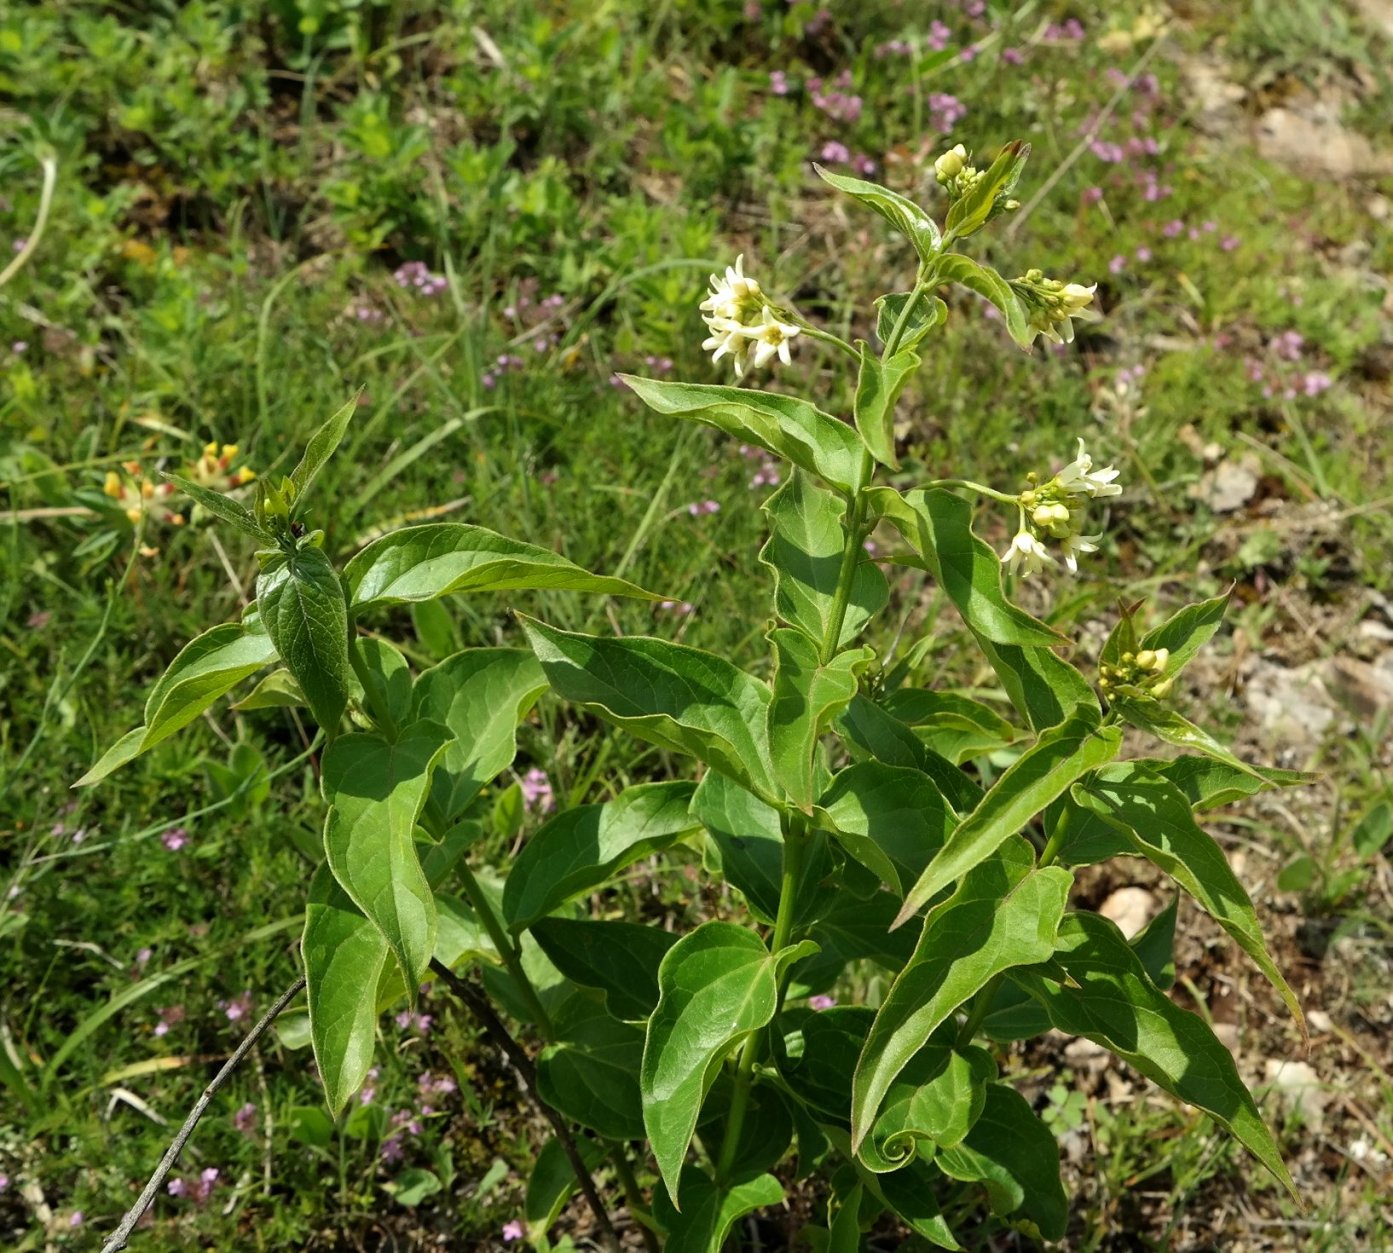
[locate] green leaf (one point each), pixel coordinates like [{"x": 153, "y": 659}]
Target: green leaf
[
  {"x": 421, "y": 563},
  {"x": 278, "y": 690},
  {"x": 620, "y": 959},
  {"x": 233, "y": 512},
  {"x": 910, "y": 1193},
  {"x": 1042, "y": 686},
  {"x": 902, "y": 213},
  {"x": 938, "y": 526},
  {"x": 805, "y": 553},
  {"x": 1004, "y": 914},
  {"x": 878, "y": 388},
  {"x": 844, "y": 1231},
  {"x": 1154, "y": 944},
  {"x": 1373, "y": 832},
  {"x": 302, "y": 608},
  {"x": 783, "y": 425},
  {"x": 205, "y": 669},
  {"x": 1017, "y": 1157},
  {"x": 1039, "y": 775},
  {"x": 1110, "y": 1000},
  {"x": 1149, "y": 714},
  {"x": 481, "y": 694},
  {"x": 868, "y": 729},
  {"x": 1187, "y": 631},
  {"x": 376, "y": 788},
  {"x": 679, "y": 698},
  {"x": 971, "y": 212},
  {"x": 717, "y": 984},
  {"x": 951, "y": 724},
  {"x": 933, "y": 1103},
  {"x": 708, "y": 1212},
  {"x": 889, "y": 818},
  {"x": 929, "y": 313},
  {"x": 344, "y": 955},
  {"x": 581, "y": 849},
  {"x": 819, "y": 1057},
  {"x": 413, "y": 1185},
  {"x": 1155, "y": 817},
  {"x": 592, "y": 1076},
  {"x": 553, "y": 1182},
  {"x": 986, "y": 282},
  {"x": 859, "y": 930},
  {"x": 1210, "y": 784},
  {"x": 389, "y": 677},
  {"x": 807, "y": 696},
  {"x": 323, "y": 444},
  {"x": 460, "y": 936}
]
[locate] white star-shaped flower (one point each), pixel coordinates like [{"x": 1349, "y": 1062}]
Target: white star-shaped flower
[
  {"x": 1080, "y": 478},
  {"x": 1027, "y": 551}
]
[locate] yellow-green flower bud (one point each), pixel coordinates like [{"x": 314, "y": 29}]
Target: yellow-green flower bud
[{"x": 951, "y": 163}]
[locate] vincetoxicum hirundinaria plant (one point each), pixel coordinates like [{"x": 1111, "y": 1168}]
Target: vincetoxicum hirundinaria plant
[{"x": 867, "y": 822}]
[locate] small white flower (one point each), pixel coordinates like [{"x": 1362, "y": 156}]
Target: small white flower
[
  {"x": 731, "y": 295},
  {"x": 1079, "y": 478},
  {"x": 1051, "y": 316},
  {"x": 770, "y": 338},
  {"x": 1074, "y": 545},
  {"x": 725, "y": 338},
  {"x": 1026, "y": 550}
]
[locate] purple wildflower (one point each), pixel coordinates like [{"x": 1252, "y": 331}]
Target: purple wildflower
[
  {"x": 512, "y": 1231},
  {"x": 536, "y": 791},
  {"x": 174, "y": 839}
]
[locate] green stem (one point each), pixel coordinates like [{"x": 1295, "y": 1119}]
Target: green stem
[
  {"x": 633, "y": 1196},
  {"x": 1056, "y": 840},
  {"x": 980, "y": 1005},
  {"x": 851, "y": 558},
  {"x": 979, "y": 488},
  {"x": 795, "y": 839},
  {"x": 507, "y": 950},
  {"x": 826, "y": 337}
]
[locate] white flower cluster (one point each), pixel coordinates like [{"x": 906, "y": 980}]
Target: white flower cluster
[
  {"x": 742, "y": 323},
  {"x": 1056, "y": 511},
  {"x": 1052, "y": 306}
]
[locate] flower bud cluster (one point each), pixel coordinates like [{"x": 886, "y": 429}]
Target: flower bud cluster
[
  {"x": 1056, "y": 511},
  {"x": 1052, "y": 305},
  {"x": 743, "y": 324},
  {"x": 1145, "y": 670},
  {"x": 953, "y": 173}
]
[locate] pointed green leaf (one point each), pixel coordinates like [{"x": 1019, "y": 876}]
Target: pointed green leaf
[
  {"x": 1186, "y": 632},
  {"x": 679, "y": 698},
  {"x": 1110, "y": 1000},
  {"x": 302, "y": 608},
  {"x": 932, "y": 1104},
  {"x": 1154, "y": 944},
  {"x": 929, "y": 313},
  {"x": 127, "y": 748},
  {"x": 460, "y": 937},
  {"x": 620, "y": 959},
  {"x": 233, "y": 512},
  {"x": 986, "y": 282},
  {"x": 323, "y": 444},
  {"x": 844, "y": 1231},
  {"x": 1017, "y": 1157},
  {"x": 1045, "y": 688},
  {"x": 1004, "y": 914},
  {"x": 783, "y": 425},
  {"x": 1210, "y": 784},
  {"x": 954, "y": 725},
  {"x": 869, "y": 730},
  {"x": 878, "y": 388},
  {"x": 481, "y": 694},
  {"x": 859, "y": 930},
  {"x": 1039, "y": 775},
  {"x": 278, "y": 690},
  {"x": 1151, "y": 715},
  {"x": 902, "y": 213},
  {"x": 818, "y": 1058},
  {"x": 1155, "y": 817},
  {"x": 910, "y": 1194},
  {"x": 717, "y": 984},
  {"x": 422, "y": 563},
  {"x": 708, "y": 1212},
  {"x": 805, "y": 553},
  {"x": 592, "y": 1076},
  {"x": 389, "y": 677},
  {"x": 891, "y": 819},
  {"x": 582, "y": 848},
  {"x": 344, "y": 955},
  {"x": 807, "y": 696},
  {"x": 376, "y": 788},
  {"x": 971, "y": 212}
]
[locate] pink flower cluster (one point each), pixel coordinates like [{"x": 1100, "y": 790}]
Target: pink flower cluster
[
  {"x": 417, "y": 275},
  {"x": 238, "y": 1008},
  {"x": 174, "y": 839},
  {"x": 536, "y": 791},
  {"x": 768, "y": 474},
  {"x": 837, "y": 102},
  {"x": 171, "y": 1016},
  {"x": 197, "y": 1190},
  {"x": 503, "y": 364},
  {"x": 699, "y": 507},
  {"x": 945, "y": 111},
  {"x": 1286, "y": 348}
]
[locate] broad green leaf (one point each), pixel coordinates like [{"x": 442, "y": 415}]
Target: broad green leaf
[
  {"x": 1045, "y": 688},
  {"x": 910, "y": 1194},
  {"x": 376, "y": 788},
  {"x": 804, "y": 551},
  {"x": 859, "y": 930},
  {"x": 1003, "y": 914},
  {"x": 765, "y": 1135},
  {"x": 747, "y": 845},
  {"x": 460, "y": 937},
  {"x": 783, "y": 425},
  {"x": 878, "y": 388},
  {"x": 951, "y": 724},
  {"x": 1013, "y": 1014},
  {"x": 581, "y": 849},
  {"x": 1039, "y": 775},
  {"x": 205, "y": 669},
  {"x": 591, "y": 1077},
  {"x": 439, "y": 858},
  {"x": 344, "y": 955},
  {"x": 970, "y": 212},
  {"x": 1155, "y": 817},
  {"x": 481, "y": 694},
  {"x": 322, "y": 445},
  {"x": 818, "y": 1056},
  {"x": 1187, "y": 631},
  {"x": 233, "y": 512},
  {"x": 891, "y": 819},
  {"x": 421, "y": 563},
  {"x": 1151, "y": 715},
  {"x": 844, "y": 1230},
  {"x": 389, "y": 676},
  {"x": 709, "y": 1212},
  {"x": 902, "y": 213},
  {"x": 1017, "y": 1157},
  {"x": 938, "y": 526},
  {"x": 1154, "y": 944},
  {"x": 1373, "y": 831},
  {"x": 278, "y": 690},
  {"x": 932, "y": 1104},
  {"x": 717, "y": 984},
  {"x": 986, "y": 282},
  {"x": 435, "y": 628},
  {"x": 620, "y": 959},
  {"x": 1110, "y": 1000},
  {"x": 807, "y": 696},
  {"x": 553, "y": 1182},
  {"x": 679, "y": 698},
  {"x": 871, "y": 731},
  {"x": 302, "y": 608},
  {"x": 929, "y": 313},
  {"x": 1210, "y": 784}
]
